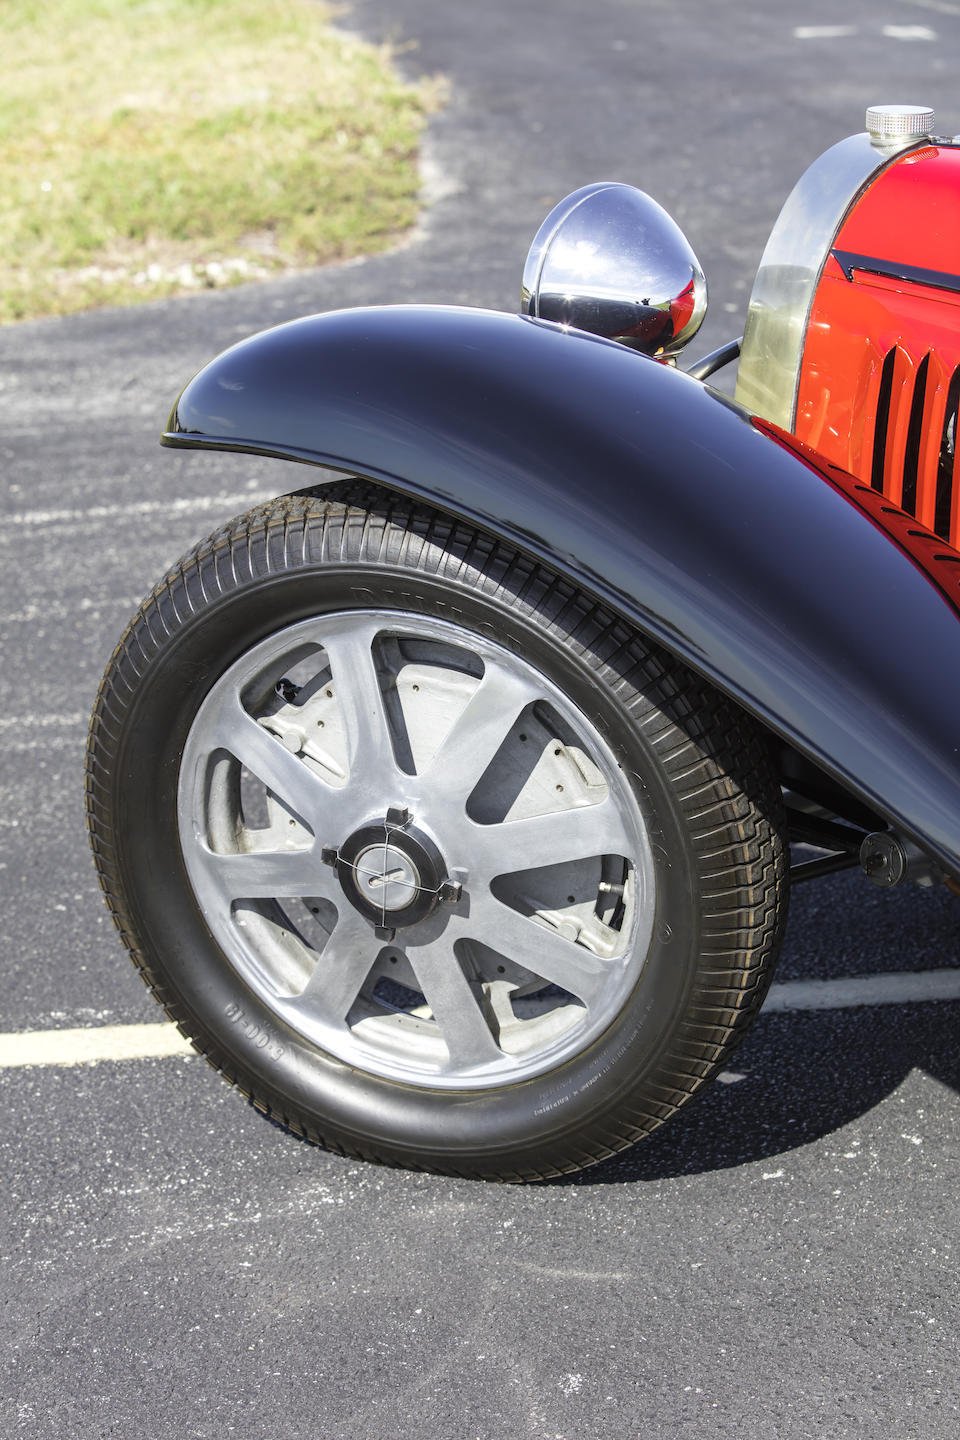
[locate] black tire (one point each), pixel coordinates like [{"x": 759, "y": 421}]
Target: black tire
[{"x": 688, "y": 894}]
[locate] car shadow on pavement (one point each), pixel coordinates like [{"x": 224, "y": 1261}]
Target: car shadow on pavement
[{"x": 797, "y": 1078}]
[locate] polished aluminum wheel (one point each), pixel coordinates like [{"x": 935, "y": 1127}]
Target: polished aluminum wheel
[{"x": 416, "y": 849}]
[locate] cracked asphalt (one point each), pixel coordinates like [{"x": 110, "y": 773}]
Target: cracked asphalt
[{"x": 781, "y": 1260}]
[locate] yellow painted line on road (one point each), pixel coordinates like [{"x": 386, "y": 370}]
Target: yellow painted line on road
[{"x": 91, "y": 1044}]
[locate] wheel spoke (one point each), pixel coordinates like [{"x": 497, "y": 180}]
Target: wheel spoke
[
  {"x": 539, "y": 949},
  {"x": 267, "y": 874},
  {"x": 456, "y": 1007},
  {"x": 541, "y": 840},
  {"x": 359, "y": 692},
  {"x": 342, "y": 967},
  {"x": 321, "y": 806},
  {"x": 480, "y": 731}
]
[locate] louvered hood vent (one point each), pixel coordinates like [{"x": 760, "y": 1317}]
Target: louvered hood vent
[{"x": 914, "y": 460}]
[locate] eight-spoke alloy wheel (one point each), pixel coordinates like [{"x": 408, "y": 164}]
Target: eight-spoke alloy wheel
[
  {"x": 415, "y": 849},
  {"x": 431, "y": 854}
]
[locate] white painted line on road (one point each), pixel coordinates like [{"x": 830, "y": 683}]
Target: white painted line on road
[
  {"x": 942, "y": 7},
  {"x": 65, "y": 720},
  {"x": 96, "y": 514},
  {"x": 901, "y": 988},
  {"x": 824, "y": 32},
  {"x": 45, "y": 611},
  {"x": 62, "y": 744},
  {"x": 908, "y": 32},
  {"x": 90, "y": 1045},
  {"x": 20, "y": 733}
]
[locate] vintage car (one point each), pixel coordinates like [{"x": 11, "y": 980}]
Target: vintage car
[{"x": 447, "y": 803}]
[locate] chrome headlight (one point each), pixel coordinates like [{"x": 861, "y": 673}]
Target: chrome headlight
[{"x": 611, "y": 261}]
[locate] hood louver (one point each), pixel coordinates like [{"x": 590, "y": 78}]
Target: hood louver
[{"x": 914, "y": 461}]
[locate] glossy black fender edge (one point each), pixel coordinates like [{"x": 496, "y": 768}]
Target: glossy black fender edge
[{"x": 651, "y": 492}]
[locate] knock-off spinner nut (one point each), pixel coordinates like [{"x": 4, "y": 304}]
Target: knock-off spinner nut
[{"x": 392, "y": 872}]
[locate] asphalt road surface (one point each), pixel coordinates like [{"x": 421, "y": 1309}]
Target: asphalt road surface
[{"x": 781, "y": 1261}]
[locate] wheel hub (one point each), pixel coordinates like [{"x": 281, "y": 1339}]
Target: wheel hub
[
  {"x": 392, "y": 872},
  {"x": 386, "y": 876}
]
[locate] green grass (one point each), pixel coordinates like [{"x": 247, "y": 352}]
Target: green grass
[{"x": 154, "y": 146}]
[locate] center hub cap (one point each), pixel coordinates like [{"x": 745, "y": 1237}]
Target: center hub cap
[
  {"x": 387, "y": 877},
  {"x": 392, "y": 873}
]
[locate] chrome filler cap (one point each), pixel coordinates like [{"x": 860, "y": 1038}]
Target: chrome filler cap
[{"x": 891, "y": 127}]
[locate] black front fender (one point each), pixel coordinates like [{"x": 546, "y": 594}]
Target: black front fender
[{"x": 646, "y": 489}]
